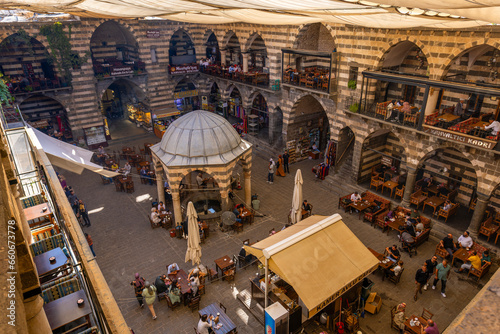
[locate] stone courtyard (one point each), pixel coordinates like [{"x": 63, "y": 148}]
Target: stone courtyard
[{"x": 125, "y": 244}]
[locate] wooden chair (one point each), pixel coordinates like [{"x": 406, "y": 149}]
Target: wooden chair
[
  {"x": 237, "y": 227},
  {"x": 242, "y": 262},
  {"x": 222, "y": 307},
  {"x": 105, "y": 180},
  {"x": 212, "y": 274},
  {"x": 201, "y": 287},
  {"x": 129, "y": 187},
  {"x": 472, "y": 205},
  {"x": 376, "y": 182},
  {"x": 194, "y": 303},
  {"x": 426, "y": 314},
  {"x": 488, "y": 228},
  {"x": 400, "y": 192},
  {"x": 229, "y": 274},
  {"x": 153, "y": 225},
  {"x": 393, "y": 313},
  {"x": 448, "y": 213},
  {"x": 396, "y": 279},
  {"x": 161, "y": 296},
  {"x": 170, "y": 305},
  {"x": 351, "y": 320},
  {"x": 479, "y": 272},
  {"x": 118, "y": 186}
]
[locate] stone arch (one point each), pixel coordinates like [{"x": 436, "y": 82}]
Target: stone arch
[
  {"x": 179, "y": 79},
  {"x": 207, "y": 34},
  {"x": 129, "y": 82},
  {"x": 229, "y": 34},
  {"x": 301, "y": 96},
  {"x": 379, "y": 58},
  {"x": 303, "y": 30},
  {"x": 185, "y": 31},
  {"x": 183, "y": 173}
]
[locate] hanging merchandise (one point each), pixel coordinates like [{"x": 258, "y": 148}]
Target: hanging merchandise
[{"x": 331, "y": 153}]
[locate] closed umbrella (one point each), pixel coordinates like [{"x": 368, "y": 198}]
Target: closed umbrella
[
  {"x": 296, "y": 214},
  {"x": 193, "y": 252}
]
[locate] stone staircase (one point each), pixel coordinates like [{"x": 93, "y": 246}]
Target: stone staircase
[{"x": 339, "y": 177}]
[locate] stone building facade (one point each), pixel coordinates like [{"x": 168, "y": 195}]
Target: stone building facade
[{"x": 294, "y": 110}]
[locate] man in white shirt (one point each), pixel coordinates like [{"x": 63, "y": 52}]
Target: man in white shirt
[
  {"x": 495, "y": 128},
  {"x": 465, "y": 240},
  {"x": 126, "y": 169},
  {"x": 171, "y": 268},
  {"x": 355, "y": 197},
  {"x": 204, "y": 324}
]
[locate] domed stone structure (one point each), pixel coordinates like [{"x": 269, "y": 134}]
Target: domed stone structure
[{"x": 200, "y": 142}]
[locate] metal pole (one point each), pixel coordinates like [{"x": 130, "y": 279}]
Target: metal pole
[{"x": 266, "y": 289}]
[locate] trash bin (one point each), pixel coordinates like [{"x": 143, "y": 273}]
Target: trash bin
[
  {"x": 256, "y": 204},
  {"x": 178, "y": 231},
  {"x": 366, "y": 288},
  {"x": 173, "y": 233}
]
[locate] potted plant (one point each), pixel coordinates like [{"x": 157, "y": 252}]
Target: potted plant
[
  {"x": 354, "y": 107},
  {"x": 351, "y": 84},
  {"x": 5, "y": 96}
]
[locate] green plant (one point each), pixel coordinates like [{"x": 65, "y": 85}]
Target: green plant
[
  {"x": 5, "y": 96},
  {"x": 60, "y": 49},
  {"x": 28, "y": 88},
  {"x": 351, "y": 84},
  {"x": 354, "y": 107}
]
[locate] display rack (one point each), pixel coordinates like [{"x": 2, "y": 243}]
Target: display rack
[
  {"x": 253, "y": 124},
  {"x": 291, "y": 146}
]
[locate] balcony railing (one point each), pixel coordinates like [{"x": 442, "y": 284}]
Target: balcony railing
[
  {"x": 252, "y": 77},
  {"x": 312, "y": 78}
]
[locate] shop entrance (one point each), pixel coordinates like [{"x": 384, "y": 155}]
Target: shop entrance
[
  {"x": 212, "y": 50},
  {"x": 186, "y": 96},
  {"x": 308, "y": 131},
  {"x": 236, "y": 114},
  {"x": 47, "y": 115},
  {"x": 215, "y": 103},
  {"x": 258, "y": 119}
]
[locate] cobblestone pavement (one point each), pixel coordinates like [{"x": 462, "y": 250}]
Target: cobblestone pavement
[{"x": 125, "y": 244}]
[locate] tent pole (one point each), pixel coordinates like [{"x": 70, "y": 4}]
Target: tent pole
[{"x": 266, "y": 281}]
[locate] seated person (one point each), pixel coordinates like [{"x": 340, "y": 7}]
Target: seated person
[
  {"x": 174, "y": 293},
  {"x": 419, "y": 228},
  {"x": 126, "y": 169},
  {"x": 447, "y": 205},
  {"x": 306, "y": 206},
  {"x": 486, "y": 257},
  {"x": 205, "y": 324},
  {"x": 161, "y": 207},
  {"x": 114, "y": 166},
  {"x": 428, "y": 181},
  {"x": 448, "y": 244},
  {"x": 202, "y": 183},
  {"x": 395, "y": 271},
  {"x": 355, "y": 197},
  {"x": 154, "y": 216},
  {"x": 407, "y": 239},
  {"x": 248, "y": 257},
  {"x": 474, "y": 261},
  {"x": 238, "y": 210},
  {"x": 415, "y": 215},
  {"x": 172, "y": 269},
  {"x": 393, "y": 253},
  {"x": 410, "y": 230},
  {"x": 494, "y": 126},
  {"x": 465, "y": 241},
  {"x": 162, "y": 283},
  {"x": 443, "y": 190}
]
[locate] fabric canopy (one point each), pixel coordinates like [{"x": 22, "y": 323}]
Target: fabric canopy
[
  {"x": 379, "y": 13},
  {"x": 320, "y": 257},
  {"x": 64, "y": 155}
]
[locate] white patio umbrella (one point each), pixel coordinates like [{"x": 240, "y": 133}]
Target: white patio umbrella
[
  {"x": 296, "y": 214},
  {"x": 193, "y": 252}
]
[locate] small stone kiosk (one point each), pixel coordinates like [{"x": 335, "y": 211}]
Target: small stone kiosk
[{"x": 201, "y": 141}]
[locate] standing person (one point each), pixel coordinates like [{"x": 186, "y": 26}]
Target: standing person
[
  {"x": 138, "y": 284},
  {"x": 271, "y": 170},
  {"x": 431, "y": 265},
  {"x": 431, "y": 328},
  {"x": 82, "y": 209},
  {"x": 279, "y": 167},
  {"x": 421, "y": 278},
  {"x": 286, "y": 158},
  {"x": 400, "y": 318},
  {"x": 90, "y": 242},
  {"x": 149, "y": 294},
  {"x": 442, "y": 272},
  {"x": 73, "y": 200}
]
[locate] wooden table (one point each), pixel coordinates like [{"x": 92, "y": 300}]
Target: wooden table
[
  {"x": 383, "y": 264},
  {"x": 246, "y": 216},
  {"x": 361, "y": 206},
  {"x": 396, "y": 224},
  {"x": 182, "y": 280},
  {"x": 415, "y": 329},
  {"x": 434, "y": 190},
  {"x": 64, "y": 310},
  {"x": 228, "y": 325},
  {"x": 224, "y": 264},
  {"x": 480, "y": 125},
  {"x": 448, "y": 117},
  {"x": 462, "y": 254},
  {"x": 434, "y": 202},
  {"x": 36, "y": 211},
  {"x": 43, "y": 265},
  {"x": 389, "y": 184}
]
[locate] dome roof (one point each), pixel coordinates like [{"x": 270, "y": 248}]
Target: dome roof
[{"x": 200, "y": 138}]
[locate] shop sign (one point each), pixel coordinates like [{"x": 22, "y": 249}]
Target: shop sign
[
  {"x": 187, "y": 93},
  {"x": 183, "y": 69},
  {"x": 117, "y": 71},
  {"x": 154, "y": 33},
  {"x": 39, "y": 124},
  {"x": 478, "y": 142}
]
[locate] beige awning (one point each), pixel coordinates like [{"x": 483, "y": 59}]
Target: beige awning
[{"x": 320, "y": 257}]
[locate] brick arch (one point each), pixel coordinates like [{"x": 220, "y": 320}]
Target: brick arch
[
  {"x": 458, "y": 51},
  {"x": 251, "y": 39},
  {"x": 184, "y": 30},
  {"x": 132, "y": 83},
  {"x": 227, "y": 37},
  {"x": 123, "y": 24},
  {"x": 64, "y": 103},
  {"x": 253, "y": 94},
  {"x": 302, "y": 95},
  {"x": 183, "y": 77},
  {"x": 302, "y": 29},
  {"x": 385, "y": 48},
  {"x": 207, "y": 34}
]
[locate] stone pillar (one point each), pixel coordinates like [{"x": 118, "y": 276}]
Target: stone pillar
[
  {"x": 248, "y": 187},
  {"x": 37, "y": 320},
  {"x": 477, "y": 217},
  {"x": 159, "y": 184},
  {"x": 410, "y": 183},
  {"x": 176, "y": 200},
  {"x": 224, "y": 199},
  {"x": 223, "y": 57},
  {"x": 245, "y": 62},
  {"x": 431, "y": 100}
]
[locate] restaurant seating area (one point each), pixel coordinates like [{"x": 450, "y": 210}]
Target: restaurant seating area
[
  {"x": 34, "y": 83},
  {"x": 253, "y": 77},
  {"x": 311, "y": 77},
  {"x": 463, "y": 254}
]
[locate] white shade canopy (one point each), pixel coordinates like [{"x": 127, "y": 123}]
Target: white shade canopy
[
  {"x": 193, "y": 252},
  {"x": 378, "y": 13}
]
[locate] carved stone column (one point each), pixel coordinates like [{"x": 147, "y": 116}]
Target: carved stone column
[
  {"x": 159, "y": 184},
  {"x": 176, "y": 200},
  {"x": 477, "y": 217},
  {"x": 410, "y": 183}
]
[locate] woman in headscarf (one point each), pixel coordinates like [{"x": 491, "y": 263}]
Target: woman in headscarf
[
  {"x": 279, "y": 169},
  {"x": 138, "y": 285},
  {"x": 174, "y": 293},
  {"x": 149, "y": 294}
]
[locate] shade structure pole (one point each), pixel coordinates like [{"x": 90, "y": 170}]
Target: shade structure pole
[{"x": 266, "y": 281}]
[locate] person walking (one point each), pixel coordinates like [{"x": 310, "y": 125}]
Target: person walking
[
  {"x": 431, "y": 266},
  {"x": 90, "y": 242},
  {"x": 279, "y": 167},
  {"x": 420, "y": 279},
  {"x": 286, "y": 158},
  {"x": 442, "y": 272},
  {"x": 149, "y": 294},
  {"x": 82, "y": 209},
  {"x": 73, "y": 201},
  {"x": 271, "y": 171},
  {"x": 138, "y": 284}
]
